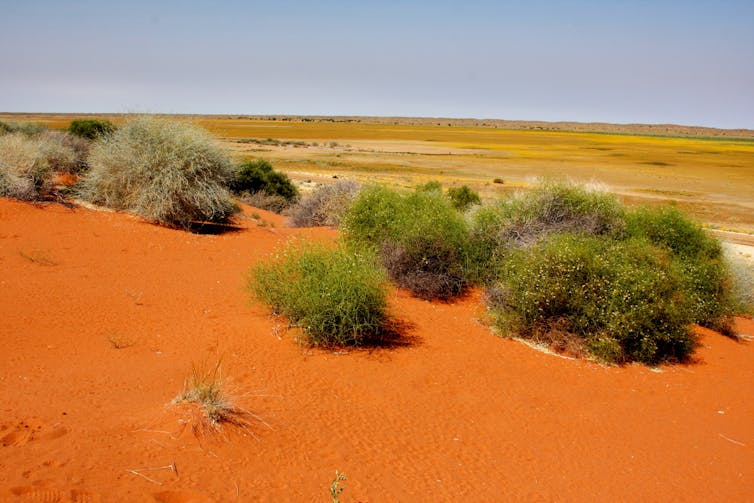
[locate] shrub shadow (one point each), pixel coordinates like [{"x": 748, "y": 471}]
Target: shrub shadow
[
  {"x": 395, "y": 334},
  {"x": 213, "y": 228}
]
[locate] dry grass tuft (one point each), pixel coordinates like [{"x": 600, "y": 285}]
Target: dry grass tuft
[
  {"x": 206, "y": 388},
  {"x": 217, "y": 406}
]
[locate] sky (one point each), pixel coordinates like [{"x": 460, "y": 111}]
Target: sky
[{"x": 663, "y": 61}]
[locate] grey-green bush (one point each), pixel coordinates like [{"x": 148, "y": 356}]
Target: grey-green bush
[
  {"x": 742, "y": 277},
  {"x": 556, "y": 207},
  {"x": 64, "y": 152},
  {"x": 167, "y": 172},
  {"x": 526, "y": 217},
  {"x": 336, "y": 296},
  {"x": 26, "y": 128},
  {"x": 26, "y": 165},
  {"x": 326, "y": 206}
]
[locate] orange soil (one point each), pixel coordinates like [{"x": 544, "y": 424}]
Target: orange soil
[{"x": 457, "y": 414}]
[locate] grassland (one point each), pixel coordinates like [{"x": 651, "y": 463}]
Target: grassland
[{"x": 711, "y": 177}]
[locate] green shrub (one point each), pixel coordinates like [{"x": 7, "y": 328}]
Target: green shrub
[
  {"x": 337, "y": 297},
  {"x": 258, "y": 176},
  {"x": 431, "y": 267},
  {"x": 430, "y": 186},
  {"x": 485, "y": 245},
  {"x": 670, "y": 228},
  {"x": 617, "y": 300},
  {"x": 326, "y": 206},
  {"x": 463, "y": 197},
  {"x": 91, "y": 129},
  {"x": 699, "y": 257},
  {"x": 167, "y": 172},
  {"x": 572, "y": 268},
  {"x": 421, "y": 239},
  {"x": 376, "y": 215}
]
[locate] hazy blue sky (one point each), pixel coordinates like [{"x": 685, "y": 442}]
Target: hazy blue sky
[{"x": 689, "y": 62}]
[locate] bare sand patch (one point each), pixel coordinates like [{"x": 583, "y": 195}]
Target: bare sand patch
[{"x": 457, "y": 414}]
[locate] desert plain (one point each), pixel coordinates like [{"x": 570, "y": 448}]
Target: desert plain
[{"x": 104, "y": 316}]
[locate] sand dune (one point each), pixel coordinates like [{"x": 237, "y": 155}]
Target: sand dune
[{"x": 454, "y": 414}]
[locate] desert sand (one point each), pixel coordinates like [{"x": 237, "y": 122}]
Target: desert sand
[{"x": 103, "y": 316}]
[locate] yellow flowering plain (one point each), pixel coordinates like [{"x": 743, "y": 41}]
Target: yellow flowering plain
[{"x": 711, "y": 178}]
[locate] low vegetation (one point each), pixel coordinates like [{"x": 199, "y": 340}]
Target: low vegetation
[
  {"x": 326, "y": 206},
  {"x": 206, "y": 388},
  {"x": 430, "y": 186},
  {"x": 463, "y": 197},
  {"x": 697, "y": 255},
  {"x": 257, "y": 183},
  {"x": 619, "y": 301},
  {"x": 91, "y": 129},
  {"x": 548, "y": 208},
  {"x": 419, "y": 237},
  {"x": 573, "y": 269},
  {"x": 26, "y": 128},
  {"x": 29, "y": 161},
  {"x": 167, "y": 172},
  {"x": 742, "y": 279},
  {"x": 335, "y": 489},
  {"x": 24, "y": 172},
  {"x": 335, "y": 296}
]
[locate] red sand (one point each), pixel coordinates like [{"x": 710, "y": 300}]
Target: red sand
[{"x": 457, "y": 415}]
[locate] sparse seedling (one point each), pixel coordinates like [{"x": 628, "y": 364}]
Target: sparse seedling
[
  {"x": 335, "y": 490},
  {"x": 136, "y": 297},
  {"x": 118, "y": 341},
  {"x": 38, "y": 257}
]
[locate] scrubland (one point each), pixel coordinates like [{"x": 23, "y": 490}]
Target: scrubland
[{"x": 224, "y": 355}]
